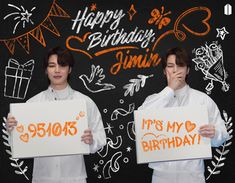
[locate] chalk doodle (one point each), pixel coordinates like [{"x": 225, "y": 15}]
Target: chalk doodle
[
  {"x": 135, "y": 84},
  {"x": 21, "y": 169},
  {"x": 36, "y": 33},
  {"x": 221, "y": 32},
  {"x": 209, "y": 59},
  {"x": 93, "y": 82},
  {"x": 112, "y": 164},
  {"x": 131, "y": 12},
  {"x": 109, "y": 128},
  {"x": 158, "y": 18},
  {"x": 131, "y": 130},
  {"x": 222, "y": 151},
  {"x": 21, "y": 14},
  {"x": 114, "y": 145},
  {"x": 17, "y": 78},
  {"x": 122, "y": 112}
]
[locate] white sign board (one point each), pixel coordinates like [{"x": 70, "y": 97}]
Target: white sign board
[
  {"x": 171, "y": 134},
  {"x": 49, "y": 128}
]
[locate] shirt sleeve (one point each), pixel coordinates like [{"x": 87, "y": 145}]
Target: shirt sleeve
[
  {"x": 95, "y": 123},
  {"x": 221, "y": 134},
  {"x": 160, "y": 100}
]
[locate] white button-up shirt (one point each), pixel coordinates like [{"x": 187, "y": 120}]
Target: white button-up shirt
[
  {"x": 186, "y": 171},
  {"x": 68, "y": 169}
]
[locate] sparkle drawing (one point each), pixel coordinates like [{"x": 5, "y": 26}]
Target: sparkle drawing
[
  {"x": 21, "y": 15},
  {"x": 24, "y": 16},
  {"x": 221, "y": 32},
  {"x": 209, "y": 59}
]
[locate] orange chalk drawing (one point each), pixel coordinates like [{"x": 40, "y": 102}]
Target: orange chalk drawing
[
  {"x": 49, "y": 129},
  {"x": 189, "y": 126},
  {"x": 174, "y": 127},
  {"x": 128, "y": 61},
  {"x": 24, "y": 137},
  {"x": 152, "y": 141},
  {"x": 93, "y": 6},
  {"x": 157, "y": 124},
  {"x": 23, "y": 40},
  {"x": 170, "y": 142},
  {"x": 179, "y": 34},
  {"x": 20, "y": 128},
  {"x": 159, "y": 18},
  {"x": 80, "y": 40},
  {"x": 131, "y": 12},
  {"x": 80, "y": 115}
]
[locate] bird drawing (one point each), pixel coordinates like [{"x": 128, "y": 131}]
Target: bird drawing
[{"x": 93, "y": 83}]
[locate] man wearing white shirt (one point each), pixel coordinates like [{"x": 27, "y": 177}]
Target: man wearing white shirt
[
  {"x": 64, "y": 169},
  {"x": 176, "y": 66}
]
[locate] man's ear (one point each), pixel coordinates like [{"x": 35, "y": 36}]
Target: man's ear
[{"x": 70, "y": 70}]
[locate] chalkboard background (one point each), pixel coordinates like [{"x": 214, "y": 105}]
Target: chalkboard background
[{"x": 130, "y": 69}]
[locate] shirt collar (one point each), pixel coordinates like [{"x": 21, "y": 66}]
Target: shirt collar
[{"x": 182, "y": 91}]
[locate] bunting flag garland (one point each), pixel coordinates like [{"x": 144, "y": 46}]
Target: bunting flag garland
[{"x": 36, "y": 33}]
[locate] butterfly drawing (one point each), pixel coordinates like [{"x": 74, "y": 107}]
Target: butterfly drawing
[{"x": 159, "y": 18}]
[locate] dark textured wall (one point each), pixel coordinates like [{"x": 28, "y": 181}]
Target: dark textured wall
[{"x": 130, "y": 69}]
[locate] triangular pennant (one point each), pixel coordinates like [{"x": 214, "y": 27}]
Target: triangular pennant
[
  {"x": 50, "y": 26},
  {"x": 37, "y": 34},
  {"x": 24, "y": 42},
  {"x": 57, "y": 11},
  {"x": 10, "y": 44}
]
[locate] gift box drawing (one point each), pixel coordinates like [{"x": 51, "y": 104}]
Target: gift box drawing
[{"x": 17, "y": 78}]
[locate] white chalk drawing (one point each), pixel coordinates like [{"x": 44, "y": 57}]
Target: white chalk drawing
[
  {"x": 222, "y": 151},
  {"x": 228, "y": 9},
  {"x": 18, "y": 164},
  {"x": 96, "y": 168},
  {"x": 131, "y": 130},
  {"x": 209, "y": 59},
  {"x": 110, "y": 144},
  {"x": 109, "y": 128},
  {"x": 112, "y": 164},
  {"x": 122, "y": 112},
  {"x": 221, "y": 32},
  {"x": 128, "y": 149},
  {"x": 93, "y": 82},
  {"x": 135, "y": 84},
  {"x": 20, "y": 15},
  {"x": 17, "y": 78}
]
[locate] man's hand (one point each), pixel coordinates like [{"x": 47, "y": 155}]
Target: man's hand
[
  {"x": 87, "y": 137},
  {"x": 11, "y": 122},
  {"x": 207, "y": 131},
  {"x": 175, "y": 80}
]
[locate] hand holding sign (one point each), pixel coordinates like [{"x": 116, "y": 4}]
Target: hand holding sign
[
  {"x": 172, "y": 134},
  {"x": 43, "y": 128}
]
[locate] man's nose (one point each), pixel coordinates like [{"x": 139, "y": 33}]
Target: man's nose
[
  {"x": 57, "y": 68},
  {"x": 175, "y": 68}
]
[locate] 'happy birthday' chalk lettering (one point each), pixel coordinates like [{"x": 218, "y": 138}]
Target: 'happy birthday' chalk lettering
[{"x": 99, "y": 18}]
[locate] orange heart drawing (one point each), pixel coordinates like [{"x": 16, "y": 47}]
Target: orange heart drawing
[
  {"x": 24, "y": 137},
  {"x": 20, "y": 128},
  {"x": 189, "y": 126}
]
